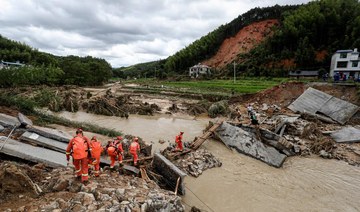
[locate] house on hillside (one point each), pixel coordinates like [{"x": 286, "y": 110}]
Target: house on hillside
[
  {"x": 199, "y": 70},
  {"x": 345, "y": 63},
  {"x": 303, "y": 74},
  {"x": 4, "y": 64}
]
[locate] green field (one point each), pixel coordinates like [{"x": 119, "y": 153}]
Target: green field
[{"x": 248, "y": 85}]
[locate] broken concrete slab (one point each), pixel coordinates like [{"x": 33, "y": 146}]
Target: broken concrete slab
[
  {"x": 170, "y": 172},
  {"x": 49, "y": 143},
  {"x": 131, "y": 169},
  {"x": 52, "y": 144},
  {"x": 346, "y": 135},
  {"x": 31, "y": 153},
  {"x": 51, "y": 133},
  {"x": 8, "y": 121},
  {"x": 25, "y": 121},
  {"x": 313, "y": 101},
  {"x": 246, "y": 142}
]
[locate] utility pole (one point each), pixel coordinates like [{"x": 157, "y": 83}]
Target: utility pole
[{"x": 234, "y": 72}]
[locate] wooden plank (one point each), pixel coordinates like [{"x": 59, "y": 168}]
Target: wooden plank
[{"x": 200, "y": 140}]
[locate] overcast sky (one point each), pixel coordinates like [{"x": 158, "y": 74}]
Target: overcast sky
[{"x": 124, "y": 32}]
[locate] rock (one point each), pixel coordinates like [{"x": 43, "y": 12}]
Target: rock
[
  {"x": 324, "y": 154},
  {"x": 78, "y": 208},
  {"x": 88, "y": 199},
  {"x": 144, "y": 207},
  {"x": 75, "y": 187},
  {"x": 52, "y": 206},
  {"x": 108, "y": 191},
  {"x": 105, "y": 197},
  {"x": 61, "y": 185},
  {"x": 62, "y": 203},
  {"x": 125, "y": 203},
  {"x": 120, "y": 194},
  {"x": 92, "y": 207},
  {"x": 1, "y": 128}
]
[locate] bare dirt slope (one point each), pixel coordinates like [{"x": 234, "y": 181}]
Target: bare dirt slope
[{"x": 243, "y": 42}]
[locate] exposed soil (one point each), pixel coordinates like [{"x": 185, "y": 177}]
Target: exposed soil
[{"x": 243, "y": 42}]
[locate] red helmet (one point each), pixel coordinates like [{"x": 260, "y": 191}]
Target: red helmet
[
  {"x": 79, "y": 130},
  {"x": 119, "y": 137},
  {"x": 181, "y": 133}
]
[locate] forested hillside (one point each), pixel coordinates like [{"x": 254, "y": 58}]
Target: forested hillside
[
  {"x": 45, "y": 68},
  {"x": 305, "y": 37}
]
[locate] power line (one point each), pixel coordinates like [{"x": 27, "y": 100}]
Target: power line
[{"x": 199, "y": 199}]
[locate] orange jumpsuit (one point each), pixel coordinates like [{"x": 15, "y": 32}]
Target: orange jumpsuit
[
  {"x": 79, "y": 148},
  {"x": 133, "y": 149},
  {"x": 115, "y": 151},
  {"x": 96, "y": 150},
  {"x": 178, "y": 140}
]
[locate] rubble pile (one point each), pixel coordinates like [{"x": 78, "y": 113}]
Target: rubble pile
[
  {"x": 109, "y": 192},
  {"x": 194, "y": 163}
]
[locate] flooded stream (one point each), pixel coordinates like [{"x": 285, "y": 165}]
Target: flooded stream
[
  {"x": 150, "y": 128},
  {"x": 243, "y": 183}
]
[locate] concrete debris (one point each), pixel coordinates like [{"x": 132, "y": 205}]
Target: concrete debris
[
  {"x": 347, "y": 134},
  {"x": 8, "y": 121},
  {"x": 247, "y": 143},
  {"x": 313, "y": 101},
  {"x": 51, "y": 133},
  {"x": 25, "y": 121},
  {"x": 43, "y": 141},
  {"x": 32, "y": 153},
  {"x": 196, "y": 162},
  {"x": 109, "y": 192},
  {"x": 170, "y": 172}
]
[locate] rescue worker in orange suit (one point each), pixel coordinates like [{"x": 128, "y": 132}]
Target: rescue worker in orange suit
[
  {"x": 115, "y": 151},
  {"x": 96, "y": 150},
  {"x": 178, "y": 140},
  {"x": 79, "y": 148},
  {"x": 134, "y": 149}
]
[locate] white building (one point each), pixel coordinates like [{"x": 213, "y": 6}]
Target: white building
[
  {"x": 346, "y": 62},
  {"x": 4, "y": 64},
  {"x": 198, "y": 70}
]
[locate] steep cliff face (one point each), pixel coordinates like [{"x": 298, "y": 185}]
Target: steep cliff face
[{"x": 243, "y": 42}]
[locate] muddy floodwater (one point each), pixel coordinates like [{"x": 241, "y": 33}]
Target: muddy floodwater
[
  {"x": 243, "y": 183},
  {"x": 150, "y": 128}
]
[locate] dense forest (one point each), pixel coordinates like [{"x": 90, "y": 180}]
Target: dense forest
[{"x": 45, "y": 68}]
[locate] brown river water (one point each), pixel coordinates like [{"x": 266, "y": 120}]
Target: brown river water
[{"x": 243, "y": 183}]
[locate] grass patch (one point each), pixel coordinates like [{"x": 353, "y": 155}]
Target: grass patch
[
  {"x": 241, "y": 86},
  {"x": 23, "y": 104},
  {"x": 45, "y": 119}
]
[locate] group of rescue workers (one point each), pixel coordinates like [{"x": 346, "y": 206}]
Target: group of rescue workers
[{"x": 86, "y": 153}]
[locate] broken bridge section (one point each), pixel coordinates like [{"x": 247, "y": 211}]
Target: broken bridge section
[
  {"x": 246, "y": 142},
  {"x": 32, "y": 153},
  {"x": 170, "y": 172},
  {"x": 313, "y": 101}
]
